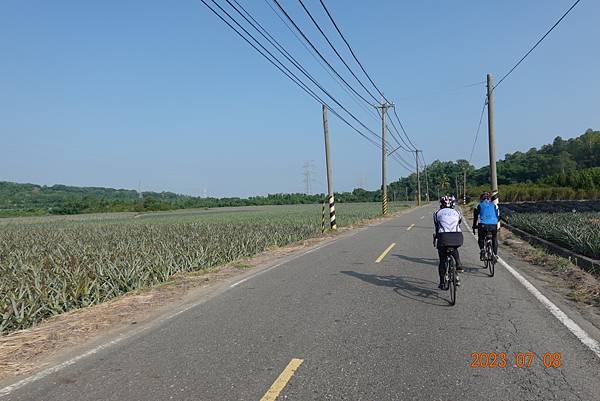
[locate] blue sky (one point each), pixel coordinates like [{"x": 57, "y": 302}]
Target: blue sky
[{"x": 110, "y": 93}]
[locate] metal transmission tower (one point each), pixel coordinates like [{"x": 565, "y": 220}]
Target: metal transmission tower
[{"x": 308, "y": 173}]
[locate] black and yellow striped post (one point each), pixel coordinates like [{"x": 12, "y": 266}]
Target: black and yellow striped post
[
  {"x": 332, "y": 222},
  {"x": 495, "y": 200},
  {"x": 322, "y": 217},
  {"x": 384, "y": 206}
]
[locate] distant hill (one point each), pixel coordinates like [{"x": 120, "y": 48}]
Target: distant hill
[
  {"x": 31, "y": 199},
  {"x": 572, "y": 163}
]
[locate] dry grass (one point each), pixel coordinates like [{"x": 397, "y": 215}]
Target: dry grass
[{"x": 583, "y": 287}]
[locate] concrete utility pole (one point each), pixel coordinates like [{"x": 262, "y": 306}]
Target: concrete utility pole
[
  {"x": 456, "y": 184},
  {"x": 426, "y": 182},
  {"x": 492, "y": 139},
  {"x": 383, "y": 107},
  {"x": 418, "y": 179},
  {"x": 464, "y": 187},
  {"x": 330, "y": 197}
]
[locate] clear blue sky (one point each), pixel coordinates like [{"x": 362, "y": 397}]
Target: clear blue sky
[{"x": 108, "y": 93}]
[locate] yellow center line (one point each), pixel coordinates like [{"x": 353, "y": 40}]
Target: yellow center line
[
  {"x": 282, "y": 380},
  {"x": 389, "y": 248},
  {"x": 411, "y": 226}
]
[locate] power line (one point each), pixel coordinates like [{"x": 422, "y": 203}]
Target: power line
[
  {"x": 355, "y": 98},
  {"x": 317, "y": 51},
  {"x": 284, "y": 70},
  {"x": 428, "y": 94},
  {"x": 289, "y": 74},
  {"x": 478, "y": 129},
  {"x": 403, "y": 130},
  {"x": 536, "y": 44},
  {"x": 352, "y": 51},
  {"x": 291, "y": 60},
  {"x": 364, "y": 71},
  {"x": 335, "y": 50},
  {"x": 398, "y": 135}
]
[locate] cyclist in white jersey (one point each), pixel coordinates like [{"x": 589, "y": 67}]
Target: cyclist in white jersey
[{"x": 448, "y": 234}]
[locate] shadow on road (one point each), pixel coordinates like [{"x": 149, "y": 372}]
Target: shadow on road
[
  {"x": 416, "y": 289},
  {"x": 427, "y": 261}
]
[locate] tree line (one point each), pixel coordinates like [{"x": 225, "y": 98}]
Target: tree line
[{"x": 564, "y": 169}]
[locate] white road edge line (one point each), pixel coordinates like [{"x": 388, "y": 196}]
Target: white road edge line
[
  {"x": 555, "y": 310},
  {"x": 410, "y": 227},
  {"x": 53, "y": 369},
  {"x": 561, "y": 316}
]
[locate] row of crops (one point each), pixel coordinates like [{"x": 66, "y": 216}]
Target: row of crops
[
  {"x": 577, "y": 231},
  {"x": 52, "y": 265}
]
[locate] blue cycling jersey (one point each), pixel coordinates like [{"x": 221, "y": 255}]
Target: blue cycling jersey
[{"x": 488, "y": 212}]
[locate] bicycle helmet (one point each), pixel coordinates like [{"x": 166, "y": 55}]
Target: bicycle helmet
[
  {"x": 445, "y": 201},
  {"x": 484, "y": 195},
  {"x": 452, "y": 201}
]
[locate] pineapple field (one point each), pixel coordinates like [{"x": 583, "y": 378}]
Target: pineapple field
[
  {"x": 50, "y": 265},
  {"x": 574, "y": 225}
]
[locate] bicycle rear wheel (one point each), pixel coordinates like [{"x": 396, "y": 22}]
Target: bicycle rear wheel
[
  {"x": 452, "y": 282},
  {"x": 490, "y": 263}
]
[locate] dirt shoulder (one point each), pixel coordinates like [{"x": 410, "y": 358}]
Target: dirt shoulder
[{"x": 55, "y": 339}]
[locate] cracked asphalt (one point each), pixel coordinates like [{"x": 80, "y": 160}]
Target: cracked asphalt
[{"x": 365, "y": 330}]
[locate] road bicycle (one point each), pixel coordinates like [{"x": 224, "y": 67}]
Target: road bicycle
[
  {"x": 451, "y": 277},
  {"x": 488, "y": 258}
]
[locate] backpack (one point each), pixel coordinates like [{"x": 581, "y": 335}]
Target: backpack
[{"x": 488, "y": 213}]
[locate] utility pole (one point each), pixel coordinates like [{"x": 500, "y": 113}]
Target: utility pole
[
  {"x": 426, "y": 181},
  {"x": 456, "y": 185},
  {"x": 330, "y": 197},
  {"x": 492, "y": 139},
  {"x": 418, "y": 179},
  {"x": 406, "y": 191},
  {"x": 464, "y": 187},
  {"x": 384, "y": 106}
]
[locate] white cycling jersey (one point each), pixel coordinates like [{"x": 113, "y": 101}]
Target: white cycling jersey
[{"x": 447, "y": 220}]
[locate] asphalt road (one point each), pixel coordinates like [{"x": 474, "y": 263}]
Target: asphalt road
[{"x": 362, "y": 330}]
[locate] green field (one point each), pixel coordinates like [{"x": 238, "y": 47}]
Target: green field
[
  {"x": 49, "y": 265},
  {"x": 579, "y": 232}
]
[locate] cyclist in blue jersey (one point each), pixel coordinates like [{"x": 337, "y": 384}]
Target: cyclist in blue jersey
[{"x": 485, "y": 219}]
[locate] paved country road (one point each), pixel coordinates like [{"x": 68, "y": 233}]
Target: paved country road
[{"x": 354, "y": 329}]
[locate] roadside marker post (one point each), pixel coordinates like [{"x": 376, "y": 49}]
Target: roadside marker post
[{"x": 322, "y": 217}]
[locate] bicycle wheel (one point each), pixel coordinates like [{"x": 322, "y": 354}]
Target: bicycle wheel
[
  {"x": 489, "y": 257},
  {"x": 452, "y": 282}
]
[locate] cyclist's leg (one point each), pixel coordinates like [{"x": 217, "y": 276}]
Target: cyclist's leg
[
  {"x": 480, "y": 235},
  {"x": 442, "y": 265},
  {"x": 481, "y": 239},
  {"x": 456, "y": 257},
  {"x": 494, "y": 231}
]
